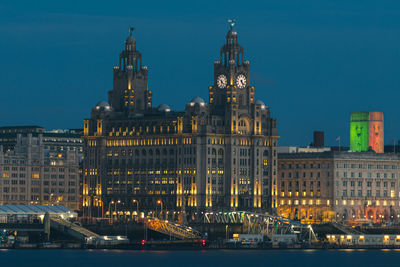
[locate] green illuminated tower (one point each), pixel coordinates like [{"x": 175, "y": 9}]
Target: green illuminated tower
[
  {"x": 359, "y": 131},
  {"x": 366, "y": 131}
]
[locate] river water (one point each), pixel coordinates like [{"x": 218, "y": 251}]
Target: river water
[{"x": 247, "y": 258}]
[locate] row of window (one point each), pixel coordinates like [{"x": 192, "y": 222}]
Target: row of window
[
  {"x": 303, "y": 175},
  {"x": 345, "y": 175},
  {"x": 369, "y": 193},
  {"x": 304, "y": 193},
  {"x": 37, "y": 190},
  {"x": 311, "y": 183},
  {"x": 364, "y": 166},
  {"x": 305, "y": 166},
  {"x": 369, "y": 183},
  {"x": 338, "y": 165},
  {"x": 304, "y": 202},
  {"x": 369, "y": 175},
  {"x": 33, "y": 198},
  {"x": 15, "y": 168}
]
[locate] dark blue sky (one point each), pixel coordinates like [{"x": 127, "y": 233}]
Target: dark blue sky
[{"x": 312, "y": 62}]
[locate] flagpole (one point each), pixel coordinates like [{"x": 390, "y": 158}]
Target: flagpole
[{"x": 338, "y": 139}]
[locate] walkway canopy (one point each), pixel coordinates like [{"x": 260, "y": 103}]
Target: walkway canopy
[{"x": 38, "y": 210}]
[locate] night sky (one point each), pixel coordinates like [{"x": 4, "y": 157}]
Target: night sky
[{"x": 312, "y": 62}]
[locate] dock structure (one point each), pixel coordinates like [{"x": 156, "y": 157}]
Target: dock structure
[
  {"x": 173, "y": 229},
  {"x": 346, "y": 229},
  {"x": 72, "y": 229},
  {"x": 42, "y": 218},
  {"x": 263, "y": 224}
]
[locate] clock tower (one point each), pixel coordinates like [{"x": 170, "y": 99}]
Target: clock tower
[
  {"x": 130, "y": 93},
  {"x": 231, "y": 76}
]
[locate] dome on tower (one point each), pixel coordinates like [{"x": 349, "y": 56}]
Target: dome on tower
[
  {"x": 197, "y": 100},
  {"x": 259, "y": 102},
  {"x": 103, "y": 105},
  {"x": 163, "y": 108},
  {"x": 130, "y": 40},
  {"x": 130, "y": 43}
]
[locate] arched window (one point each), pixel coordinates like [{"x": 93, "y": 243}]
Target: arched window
[{"x": 243, "y": 127}]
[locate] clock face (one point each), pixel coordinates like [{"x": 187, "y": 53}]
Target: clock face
[
  {"x": 241, "y": 81},
  {"x": 222, "y": 81}
]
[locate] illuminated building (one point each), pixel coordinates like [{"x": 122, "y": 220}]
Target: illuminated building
[
  {"x": 53, "y": 140},
  {"x": 32, "y": 174},
  {"x": 219, "y": 155},
  {"x": 324, "y": 186},
  {"x": 367, "y": 131},
  {"x": 305, "y": 186}
]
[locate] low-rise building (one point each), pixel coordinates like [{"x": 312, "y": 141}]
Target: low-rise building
[{"x": 326, "y": 186}]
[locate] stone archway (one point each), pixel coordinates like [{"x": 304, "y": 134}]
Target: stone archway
[{"x": 370, "y": 214}]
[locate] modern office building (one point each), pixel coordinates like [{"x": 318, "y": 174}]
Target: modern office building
[
  {"x": 32, "y": 174},
  {"x": 321, "y": 187},
  {"x": 216, "y": 155},
  {"x": 53, "y": 140},
  {"x": 367, "y": 131}
]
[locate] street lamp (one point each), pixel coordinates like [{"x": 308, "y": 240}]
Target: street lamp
[
  {"x": 137, "y": 208},
  {"x": 160, "y": 203},
  {"x": 109, "y": 209},
  {"x": 116, "y": 211}
]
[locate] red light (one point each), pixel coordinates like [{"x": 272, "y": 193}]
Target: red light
[
  {"x": 203, "y": 242},
  {"x": 143, "y": 242}
]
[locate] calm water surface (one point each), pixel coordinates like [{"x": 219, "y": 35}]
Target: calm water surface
[{"x": 114, "y": 258}]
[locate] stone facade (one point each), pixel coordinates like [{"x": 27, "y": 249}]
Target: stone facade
[
  {"x": 31, "y": 174},
  {"x": 351, "y": 186},
  {"x": 219, "y": 155}
]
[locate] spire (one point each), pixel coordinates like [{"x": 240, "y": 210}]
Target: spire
[
  {"x": 130, "y": 56},
  {"x": 232, "y": 23},
  {"x": 232, "y": 32},
  {"x": 130, "y": 43},
  {"x": 231, "y": 50},
  {"x": 131, "y": 29}
]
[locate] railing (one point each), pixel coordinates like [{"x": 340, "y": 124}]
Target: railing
[
  {"x": 176, "y": 230},
  {"x": 79, "y": 229},
  {"x": 346, "y": 229},
  {"x": 264, "y": 224}
]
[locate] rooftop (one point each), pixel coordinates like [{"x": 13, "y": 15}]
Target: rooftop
[
  {"x": 18, "y": 209},
  {"x": 339, "y": 155}
]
